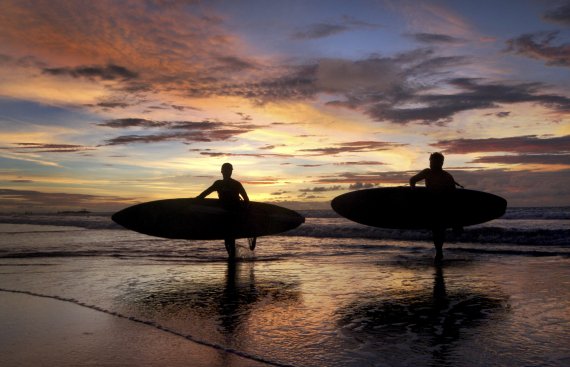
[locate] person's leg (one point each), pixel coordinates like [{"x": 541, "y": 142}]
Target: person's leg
[
  {"x": 438, "y": 239},
  {"x": 252, "y": 242},
  {"x": 230, "y": 247}
]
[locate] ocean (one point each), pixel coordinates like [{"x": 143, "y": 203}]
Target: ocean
[{"x": 329, "y": 293}]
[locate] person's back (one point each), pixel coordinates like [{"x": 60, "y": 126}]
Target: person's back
[
  {"x": 439, "y": 182},
  {"x": 435, "y": 177},
  {"x": 228, "y": 192}
]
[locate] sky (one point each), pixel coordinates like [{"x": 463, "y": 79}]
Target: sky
[{"x": 104, "y": 104}]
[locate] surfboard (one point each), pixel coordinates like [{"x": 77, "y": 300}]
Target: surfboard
[
  {"x": 417, "y": 208},
  {"x": 206, "y": 219}
]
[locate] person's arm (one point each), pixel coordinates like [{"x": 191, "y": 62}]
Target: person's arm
[
  {"x": 458, "y": 184},
  {"x": 243, "y": 194},
  {"x": 420, "y": 176},
  {"x": 207, "y": 192}
]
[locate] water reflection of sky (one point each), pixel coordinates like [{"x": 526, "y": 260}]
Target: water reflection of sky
[
  {"x": 430, "y": 322},
  {"x": 329, "y": 313}
]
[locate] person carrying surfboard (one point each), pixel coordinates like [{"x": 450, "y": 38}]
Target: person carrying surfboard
[
  {"x": 440, "y": 182},
  {"x": 229, "y": 192}
]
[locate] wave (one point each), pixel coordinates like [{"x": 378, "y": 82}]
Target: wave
[
  {"x": 87, "y": 221},
  {"x": 547, "y": 213},
  {"x": 558, "y": 237},
  {"x": 525, "y": 226}
]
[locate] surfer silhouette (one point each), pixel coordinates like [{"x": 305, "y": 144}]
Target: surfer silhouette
[
  {"x": 229, "y": 192},
  {"x": 440, "y": 182}
]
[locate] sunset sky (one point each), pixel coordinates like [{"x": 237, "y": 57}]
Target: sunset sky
[{"x": 108, "y": 103}]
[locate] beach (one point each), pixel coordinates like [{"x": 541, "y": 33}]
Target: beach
[{"x": 81, "y": 291}]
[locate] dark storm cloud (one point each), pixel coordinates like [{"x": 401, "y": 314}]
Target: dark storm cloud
[
  {"x": 547, "y": 159},
  {"x": 353, "y": 147},
  {"x": 322, "y": 30},
  {"x": 184, "y": 131},
  {"x": 539, "y": 46},
  {"x": 516, "y": 144},
  {"x": 108, "y": 72},
  {"x": 46, "y": 148},
  {"x": 435, "y": 38},
  {"x": 560, "y": 15}
]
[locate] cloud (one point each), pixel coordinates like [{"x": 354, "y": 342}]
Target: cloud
[
  {"x": 515, "y": 144},
  {"x": 360, "y": 186},
  {"x": 46, "y": 148},
  {"x": 279, "y": 193},
  {"x": 546, "y": 159},
  {"x": 353, "y": 147},
  {"x": 367, "y": 178},
  {"x": 322, "y": 30},
  {"x": 111, "y": 105},
  {"x": 319, "y": 30},
  {"x": 539, "y": 46},
  {"x": 520, "y": 188},
  {"x": 37, "y": 200},
  {"x": 360, "y": 163},
  {"x": 322, "y": 189},
  {"x": 435, "y": 38},
  {"x": 261, "y": 181},
  {"x": 560, "y": 15},
  {"x": 108, "y": 72},
  {"x": 471, "y": 95},
  {"x": 184, "y": 131},
  {"x": 254, "y": 155},
  {"x": 132, "y": 122},
  {"x": 346, "y": 76}
]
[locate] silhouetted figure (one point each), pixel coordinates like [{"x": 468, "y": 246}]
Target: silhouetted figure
[
  {"x": 439, "y": 182},
  {"x": 229, "y": 192}
]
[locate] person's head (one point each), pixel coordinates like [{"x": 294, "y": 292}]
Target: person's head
[
  {"x": 227, "y": 169},
  {"x": 436, "y": 161}
]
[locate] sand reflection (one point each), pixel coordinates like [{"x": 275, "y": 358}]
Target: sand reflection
[{"x": 432, "y": 322}]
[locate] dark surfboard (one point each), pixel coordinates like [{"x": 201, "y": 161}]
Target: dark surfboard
[
  {"x": 206, "y": 219},
  {"x": 407, "y": 208}
]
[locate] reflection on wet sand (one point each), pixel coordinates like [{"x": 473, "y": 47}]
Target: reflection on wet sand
[
  {"x": 435, "y": 321},
  {"x": 227, "y": 301}
]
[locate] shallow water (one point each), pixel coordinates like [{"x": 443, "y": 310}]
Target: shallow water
[{"x": 307, "y": 301}]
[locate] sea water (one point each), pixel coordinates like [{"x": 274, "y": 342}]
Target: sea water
[{"x": 329, "y": 293}]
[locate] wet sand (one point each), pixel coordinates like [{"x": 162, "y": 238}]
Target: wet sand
[
  {"x": 397, "y": 310},
  {"x": 40, "y": 331}
]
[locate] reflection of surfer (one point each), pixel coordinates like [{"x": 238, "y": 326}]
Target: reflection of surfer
[
  {"x": 229, "y": 192},
  {"x": 440, "y": 182}
]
